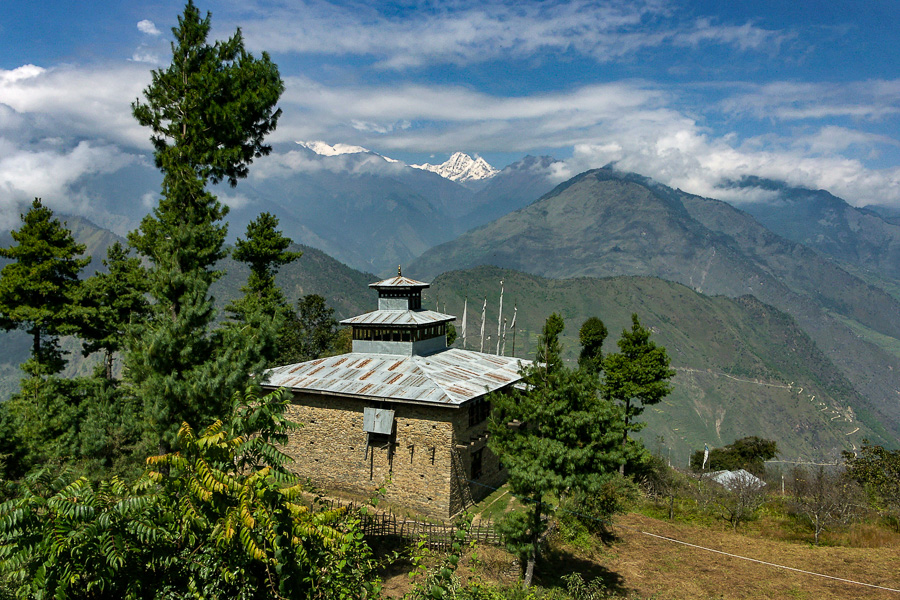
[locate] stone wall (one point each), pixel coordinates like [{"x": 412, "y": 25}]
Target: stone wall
[
  {"x": 428, "y": 458},
  {"x": 467, "y": 441}
]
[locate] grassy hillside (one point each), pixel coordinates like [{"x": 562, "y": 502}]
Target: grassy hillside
[{"x": 744, "y": 368}]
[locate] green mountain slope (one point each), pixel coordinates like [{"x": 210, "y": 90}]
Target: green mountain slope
[
  {"x": 605, "y": 223},
  {"x": 829, "y": 225},
  {"x": 744, "y": 368}
]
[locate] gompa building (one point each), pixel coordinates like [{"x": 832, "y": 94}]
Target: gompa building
[{"x": 401, "y": 408}]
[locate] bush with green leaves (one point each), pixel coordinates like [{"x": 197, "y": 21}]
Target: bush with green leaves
[
  {"x": 221, "y": 517},
  {"x": 749, "y": 453},
  {"x": 877, "y": 469},
  {"x": 593, "y": 512}
]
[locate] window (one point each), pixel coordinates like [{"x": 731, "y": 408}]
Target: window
[
  {"x": 479, "y": 411},
  {"x": 476, "y": 463}
]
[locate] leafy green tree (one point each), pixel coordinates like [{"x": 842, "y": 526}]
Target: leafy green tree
[
  {"x": 748, "y": 453},
  {"x": 208, "y": 112},
  {"x": 309, "y": 333},
  {"x": 637, "y": 376},
  {"x": 37, "y": 287},
  {"x": 563, "y": 439},
  {"x": 591, "y": 335},
  {"x": 110, "y": 303},
  {"x": 451, "y": 334},
  {"x": 220, "y": 518},
  {"x": 878, "y": 471},
  {"x": 84, "y": 422}
]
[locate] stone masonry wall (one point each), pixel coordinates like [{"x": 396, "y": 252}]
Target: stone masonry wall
[
  {"x": 469, "y": 489},
  {"x": 330, "y": 449},
  {"x": 428, "y": 459}
]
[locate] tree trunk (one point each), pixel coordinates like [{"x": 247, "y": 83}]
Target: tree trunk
[
  {"x": 109, "y": 365},
  {"x": 535, "y": 546},
  {"x": 625, "y": 437},
  {"x": 36, "y": 344}
]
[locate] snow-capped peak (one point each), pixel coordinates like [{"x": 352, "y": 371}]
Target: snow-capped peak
[
  {"x": 461, "y": 167},
  {"x": 324, "y": 149}
]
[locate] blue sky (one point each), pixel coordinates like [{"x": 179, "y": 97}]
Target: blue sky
[{"x": 693, "y": 94}]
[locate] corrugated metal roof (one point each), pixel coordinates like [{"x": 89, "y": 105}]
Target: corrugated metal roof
[
  {"x": 399, "y": 281},
  {"x": 399, "y": 317},
  {"x": 450, "y": 377}
]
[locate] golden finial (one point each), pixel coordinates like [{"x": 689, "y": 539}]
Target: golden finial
[{"x": 399, "y": 274}]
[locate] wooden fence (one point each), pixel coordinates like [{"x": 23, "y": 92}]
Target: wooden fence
[{"x": 437, "y": 536}]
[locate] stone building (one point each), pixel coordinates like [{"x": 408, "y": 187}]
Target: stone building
[{"x": 401, "y": 409}]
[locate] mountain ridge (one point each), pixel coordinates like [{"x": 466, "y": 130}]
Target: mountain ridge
[{"x": 604, "y": 223}]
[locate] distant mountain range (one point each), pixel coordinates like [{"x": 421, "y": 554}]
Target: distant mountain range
[
  {"x": 864, "y": 237},
  {"x": 606, "y": 223},
  {"x": 369, "y": 211},
  {"x": 810, "y": 284}
]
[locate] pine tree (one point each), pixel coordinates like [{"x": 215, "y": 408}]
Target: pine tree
[
  {"x": 265, "y": 250},
  {"x": 110, "y": 303},
  {"x": 309, "y": 333},
  {"x": 549, "y": 349},
  {"x": 591, "y": 335},
  {"x": 209, "y": 112},
  {"x": 36, "y": 289},
  {"x": 637, "y": 376},
  {"x": 263, "y": 307},
  {"x": 563, "y": 438}
]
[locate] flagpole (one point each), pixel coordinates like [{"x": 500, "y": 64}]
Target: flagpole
[
  {"x": 503, "y": 353},
  {"x": 513, "y": 327},
  {"x": 499, "y": 317},
  {"x": 483, "y": 311},
  {"x": 465, "y": 314}
]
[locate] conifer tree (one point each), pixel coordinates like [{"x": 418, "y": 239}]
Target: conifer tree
[
  {"x": 591, "y": 335},
  {"x": 110, "y": 303},
  {"x": 637, "y": 376},
  {"x": 209, "y": 112},
  {"x": 36, "y": 289},
  {"x": 564, "y": 438},
  {"x": 261, "y": 319},
  {"x": 309, "y": 333},
  {"x": 549, "y": 350},
  {"x": 265, "y": 250}
]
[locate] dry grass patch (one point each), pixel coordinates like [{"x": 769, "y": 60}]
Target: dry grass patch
[{"x": 652, "y": 567}]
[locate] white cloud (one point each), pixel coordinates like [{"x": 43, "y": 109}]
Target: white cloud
[
  {"x": 145, "y": 55},
  {"x": 467, "y": 32},
  {"x": 92, "y": 102},
  {"x": 868, "y": 100},
  {"x": 51, "y": 174},
  {"x": 285, "y": 164},
  {"x": 234, "y": 201},
  {"x": 147, "y": 26}
]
